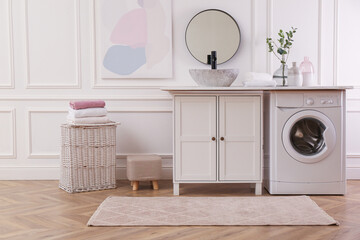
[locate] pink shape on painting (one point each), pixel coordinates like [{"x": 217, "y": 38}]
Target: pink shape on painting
[{"x": 131, "y": 29}]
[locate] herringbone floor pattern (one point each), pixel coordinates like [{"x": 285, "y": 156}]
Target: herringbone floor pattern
[{"x": 39, "y": 210}]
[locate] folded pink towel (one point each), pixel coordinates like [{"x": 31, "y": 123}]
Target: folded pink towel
[{"x": 87, "y": 104}]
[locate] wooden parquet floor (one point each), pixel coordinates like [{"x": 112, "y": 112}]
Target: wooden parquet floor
[{"x": 39, "y": 210}]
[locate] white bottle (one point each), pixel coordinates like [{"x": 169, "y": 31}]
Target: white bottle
[
  {"x": 295, "y": 77},
  {"x": 307, "y": 70}
]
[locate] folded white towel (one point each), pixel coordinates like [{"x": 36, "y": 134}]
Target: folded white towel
[
  {"x": 264, "y": 83},
  {"x": 87, "y": 112},
  {"x": 88, "y": 120},
  {"x": 254, "y": 76}
]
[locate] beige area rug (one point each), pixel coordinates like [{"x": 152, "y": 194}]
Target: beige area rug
[{"x": 185, "y": 211}]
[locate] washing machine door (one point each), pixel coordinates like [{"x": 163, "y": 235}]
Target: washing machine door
[{"x": 309, "y": 136}]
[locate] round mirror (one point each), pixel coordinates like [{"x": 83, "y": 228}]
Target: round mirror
[{"x": 212, "y": 30}]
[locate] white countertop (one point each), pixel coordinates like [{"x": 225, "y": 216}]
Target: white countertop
[{"x": 288, "y": 88}]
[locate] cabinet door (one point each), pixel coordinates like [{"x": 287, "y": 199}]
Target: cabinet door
[
  {"x": 195, "y": 126},
  {"x": 240, "y": 138}
]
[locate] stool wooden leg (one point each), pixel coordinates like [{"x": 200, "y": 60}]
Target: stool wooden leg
[
  {"x": 135, "y": 185},
  {"x": 155, "y": 185}
]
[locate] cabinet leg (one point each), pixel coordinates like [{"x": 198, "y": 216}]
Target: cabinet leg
[
  {"x": 258, "y": 189},
  {"x": 176, "y": 189}
]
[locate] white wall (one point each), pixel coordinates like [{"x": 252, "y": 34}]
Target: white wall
[
  {"x": 48, "y": 57},
  {"x": 347, "y": 73}
]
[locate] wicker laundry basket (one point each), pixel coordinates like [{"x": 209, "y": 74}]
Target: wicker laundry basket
[{"x": 88, "y": 157}]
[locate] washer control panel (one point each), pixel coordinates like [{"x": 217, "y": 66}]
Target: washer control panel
[
  {"x": 308, "y": 99},
  {"x": 322, "y": 100}
]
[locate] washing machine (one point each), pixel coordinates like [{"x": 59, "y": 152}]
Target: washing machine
[{"x": 304, "y": 136}]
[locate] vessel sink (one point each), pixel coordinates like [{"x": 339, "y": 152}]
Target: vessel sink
[{"x": 214, "y": 77}]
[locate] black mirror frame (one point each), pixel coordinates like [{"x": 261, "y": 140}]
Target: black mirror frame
[{"x": 213, "y": 9}]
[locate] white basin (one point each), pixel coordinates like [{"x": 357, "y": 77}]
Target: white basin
[{"x": 214, "y": 77}]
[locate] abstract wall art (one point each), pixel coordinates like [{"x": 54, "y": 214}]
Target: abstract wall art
[{"x": 136, "y": 38}]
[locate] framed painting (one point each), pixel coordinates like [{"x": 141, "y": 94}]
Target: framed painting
[{"x": 135, "y": 38}]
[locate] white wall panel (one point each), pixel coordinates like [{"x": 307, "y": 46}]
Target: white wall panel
[
  {"x": 328, "y": 38},
  {"x": 52, "y": 43},
  {"x": 348, "y": 38},
  {"x": 303, "y": 15},
  {"x": 353, "y": 133},
  {"x": 143, "y": 132},
  {"x": 348, "y": 63},
  {"x": 6, "y": 50},
  {"x": 7, "y": 133},
  {"x": 259, "y": 31},
  {"x": 44, "y": 134},
  {"x": 47, "y": 38}
]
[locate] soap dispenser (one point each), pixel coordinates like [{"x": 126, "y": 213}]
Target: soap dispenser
[{"x": 295, "y": 77}]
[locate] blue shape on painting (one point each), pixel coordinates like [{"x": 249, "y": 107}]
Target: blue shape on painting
[{"x": 124, "y": 60}]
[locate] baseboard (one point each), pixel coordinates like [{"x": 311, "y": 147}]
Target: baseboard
[
  {"x": 353, "y": 173},
  {"x": 53, "y": 173}
]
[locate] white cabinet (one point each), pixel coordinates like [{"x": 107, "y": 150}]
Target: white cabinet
[
  {"x": 239, "y": 133},
  {"x": 217, "y": 138},
  {"x": 195, "y": 141}
]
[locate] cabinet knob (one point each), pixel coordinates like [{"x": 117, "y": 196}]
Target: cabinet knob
[
  {"x": 222, "y": 138},
  {"x": 213, "y": 138}
]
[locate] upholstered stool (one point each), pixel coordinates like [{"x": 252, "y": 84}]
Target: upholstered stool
[{"x": 143, "y": 168}]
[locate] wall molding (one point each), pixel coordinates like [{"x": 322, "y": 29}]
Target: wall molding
[
  {"x": 12, "y": 113},
  {"x": 77, "y": 83},
  {"x": 11, "y": 84},
  {"x": 79, "y": 97},
  {"x": 29, "y": 133},
  {"x": 269, "y": 30},
  {"x": 320, "y": 14},
  {"x": 253, "y": 33},
  {"x": 141, "y": 109},
  {"x": 336, "y": 42},
  {"x": 31, "y": 110}
]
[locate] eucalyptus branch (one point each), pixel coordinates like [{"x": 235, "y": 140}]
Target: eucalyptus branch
[
  {"x": 283, "y": 49},
  {"x": 275, "y": 44},
  {"x": 277, "y": 56},
  {"x": 285, "y": 44}
]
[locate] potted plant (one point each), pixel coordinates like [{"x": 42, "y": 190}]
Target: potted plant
[{"x": 282, "y": 49}]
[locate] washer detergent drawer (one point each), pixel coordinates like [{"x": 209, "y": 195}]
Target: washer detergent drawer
[{"x": 289, "y": 100}]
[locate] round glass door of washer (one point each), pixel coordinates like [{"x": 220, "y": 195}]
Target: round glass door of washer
[{"x": 309, "y": 136}]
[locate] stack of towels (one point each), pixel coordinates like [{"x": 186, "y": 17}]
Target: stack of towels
[
  {"x": 87, "y": 112},
  {"x": 254, "y": 79}
]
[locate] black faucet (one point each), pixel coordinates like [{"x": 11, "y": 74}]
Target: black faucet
[{"x": 211, "y": 59}]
